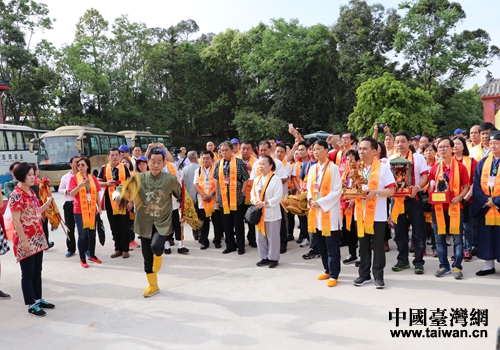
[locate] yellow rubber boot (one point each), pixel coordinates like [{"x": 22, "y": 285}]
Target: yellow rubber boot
[
  {"x": 153, "y": 285},
  {"x": 157, "y": 260}
]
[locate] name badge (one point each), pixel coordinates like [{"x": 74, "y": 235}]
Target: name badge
[
  {"x": 226, "y": 181},
  {"x": 88, "y": 197},
  {"x": 207, "y": 186},
  {"x": 491, "y": 181}
]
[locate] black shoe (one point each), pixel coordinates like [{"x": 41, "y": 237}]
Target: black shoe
[
  {"x": 45, "y": 304},
  {"x": 263, "y": 262},
  {"x": 252, "y": 244},
  {"x": 204, "y": 246},
  {"x": 168, "y": 250},
  {"x": 36, "y": 311},
  {"x": 182, "y": 250},
  {"x": 350, "y": 260},
  {"x": 299, "y": 240},
  {"x": 485, "y": 272},
  {"x": 227, "y": 251},
  {"x": 217, "y": 245},
  {"x": 474, "y": 251},
  {"x": 311, "y": 255},
  {"x": 290, "y": 238},
  {"x": 379, "y": 283},
  {"x": 51, "y": 244},
  {"x": 171, "y": 241},
  {"x": 4, "y": 296},
  {"x": 273, "y": 264},
  {"x": 282, "y": 250},
  {"x": 361, "y": 281},
  {"x": 241, "y": 251},
  {"x": 357, "y": 263}
]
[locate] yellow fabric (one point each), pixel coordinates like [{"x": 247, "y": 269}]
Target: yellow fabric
[
  {"x": 88, "y": 209},
  {"x": 347, "y": 212},
  {"x": 324, "y": 190},
  {"x": 366, "y": 224},
  {"x": 261, "y": 226},
  {"x": 207, "y": 206},
  {"x": 454, "y": 209},
  {"x": 251, "y": 161},
  {"x": 480, "y": 154},
  {"x": 111, "y": 189},
  {"x": 467, "y": 162},
  {"x": 130, "y": 191},
  {"x": 171, "y": 168},
  {"x": 492, "y": 217},
  {"x": 399, "y": 202},
  {"x": 232, "y": 205}
]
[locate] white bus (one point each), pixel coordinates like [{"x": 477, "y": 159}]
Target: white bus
[
  {"x": 15, "y": 146},
  {"x": 144, "y": 138}
]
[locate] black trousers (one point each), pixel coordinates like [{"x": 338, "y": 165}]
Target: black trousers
[
  {"x": 31, "y": 278},
  {"x": 350, "y": 236},
  {"x": 251, "y": 229},
  {"x": 291, "y": 223},
  {"x": 69, "y": 218},
  {"x": 205, "y": 230},
  {"x": 218, "y": 229},
  {"x": 283, "y": 229},
  {"x": 303, "y": 227},
  {"x": 233, "y": 224},
  {"x": 45, "y": 223},
  {"x": 150, "y": 246},
  {"x": 365, "y": 252},
  {"x": 329, "y": 248},
  {"x": 176, "y": 226},
  {"x": 120, "y": 227}
]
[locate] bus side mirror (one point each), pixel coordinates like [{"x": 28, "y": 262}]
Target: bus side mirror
[{"x": 33, "y": 147}]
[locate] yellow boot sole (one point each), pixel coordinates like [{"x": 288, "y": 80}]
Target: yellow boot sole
[{"x": 150, "y": 291}]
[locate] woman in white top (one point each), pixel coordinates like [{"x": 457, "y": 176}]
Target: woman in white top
[{"x": 266, "y": 193}]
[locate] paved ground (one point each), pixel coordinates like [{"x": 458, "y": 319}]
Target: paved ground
[{"x": 214, "y": 301}]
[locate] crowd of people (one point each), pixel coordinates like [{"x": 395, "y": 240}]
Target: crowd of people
[{"x": 450, "y": 196}]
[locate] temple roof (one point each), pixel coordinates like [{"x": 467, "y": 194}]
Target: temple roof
[{"x": 491, "y": 87}]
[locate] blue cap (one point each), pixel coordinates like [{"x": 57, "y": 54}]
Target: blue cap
[
  {"x": 141, "y": 159},
  {"x": 235, "y": 141},
  {"x": 124, "y": 148},
  {"x": 417, "y": 137},
  {"x": 459, "y": 131}
]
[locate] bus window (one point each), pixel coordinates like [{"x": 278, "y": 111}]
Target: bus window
[
  {"x": 104, "y": 140},
  {"x": 115, "y": 141},
  {"x": 27, "y": 136},
  {"x": 3, "y": 141},
  {"x": 94, "y": 145}
]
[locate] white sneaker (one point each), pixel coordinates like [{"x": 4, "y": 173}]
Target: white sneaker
[{"x": 305, "y": 242}]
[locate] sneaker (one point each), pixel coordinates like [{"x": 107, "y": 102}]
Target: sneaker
[
  {"x": 350, "y": 260},
  {"x": 182, "y": 250},
  {"x": 263, "y": 262},
  {"x": 419, "y": 270},
  {"x": 51, "y": 244},
  {"x": 135, "y": 244},
  {"x": 84, "y": 264},
  {"x": 311, "y": 255},
  {"x": 116, "y": 254},
  {"x": 357, "y": 263},
  {"x": 400, "y": 267},
  {"x": 467, "y": 256},
  {"x": 273, "y": 264},
  {"x": 299, "y": 240},
  {"x": 360, "y": 281},
  {"x": 474, "y": 251},
  {"x": 45, "y": 304},
  {"x": 168, "y": 251},
  {"x": 379, "y": 283},
  {"x": 130, "y": 247},
  {"x": 305, "y": 243},
  {"x": 429, "y": 240},
  {"x": 87, "y": 253},
  {"x": 441, "y": 272},
  {"x": 96, "y": 260},
  {"x": 434, "y": 253},
  {"x": 69, "y": 254},
  {"x": 4, "y": 296},
  {"x": 36, "y": 311},
  {"x": 457, "y": 273},
  {"x": 449, "y": 241}
]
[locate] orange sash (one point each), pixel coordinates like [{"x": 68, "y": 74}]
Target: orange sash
[
  {"x": 467, "y": 162},
  {"x": 492, "y": 217},
  {"x": 399, "y": 202},
  {"x": 232, "y": 205},
  {"x": 251, "y": 161},
  {"x": 207, "y": 206},
  {"x": 347, "y": 212},
  {"x": 454, "y": 209},
  {"x": 480, "y": 154},
  {"x": 261, "y": 226},
  {"x": 111, "y": 189},
  {"x": 366, "y": 224},
  {"x": 324, "y": 190},
  {"x": 88, "y": 209}
]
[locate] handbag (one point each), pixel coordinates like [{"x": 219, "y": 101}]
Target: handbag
[
  {"x": 254, "y": 214},
  {"x": 101, "y": 231},
  {"x": 4, "y": 244}
]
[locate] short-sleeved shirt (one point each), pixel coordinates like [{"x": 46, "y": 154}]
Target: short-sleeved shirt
[
  {"x": 464, "y": 178},
  {"x": 29, "y": 206},
  {"x": 73, "y": 183},
  {"x": 241, "y": 176},
  {"x": 114, "y": 172}
]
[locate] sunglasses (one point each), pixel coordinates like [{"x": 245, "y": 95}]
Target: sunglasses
[{"x": 80, "y": 165}]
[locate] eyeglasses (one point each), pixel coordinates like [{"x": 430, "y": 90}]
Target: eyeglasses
[
  {"x": 81, "y": 165},
  {"x": 443, "y": 147}
]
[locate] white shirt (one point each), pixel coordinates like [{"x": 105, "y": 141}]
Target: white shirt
[
  {"x": 280, "y": 171},
  {"x": 386, "y": 180},
  {"x": 273, "y": 196},
  {"x": 476, "y": 152},
  {"x": 63, "y": 186},
  {"x": 195, "y": 182},
  {"x": 419, "y": 168},
  {"x": 331, "y": 202},
  {"x": 176, "y": 204}
]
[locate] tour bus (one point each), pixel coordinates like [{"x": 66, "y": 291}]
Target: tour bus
[
  {"x": 144, "y": 138},
  {"x": 57, "y": 147},
  {"x": 15, "y": 146}
]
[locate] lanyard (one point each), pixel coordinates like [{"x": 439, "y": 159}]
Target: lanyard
[
  {"x": 207, "y": 173},
  {"x": 321, "y": 171},
  {"x": 366, "y": 172},
  {"x": 226, "y": 167},
  {"x": 494, "y": 169}
]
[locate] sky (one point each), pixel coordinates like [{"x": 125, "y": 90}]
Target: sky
[{"x": 215, "y": 16}]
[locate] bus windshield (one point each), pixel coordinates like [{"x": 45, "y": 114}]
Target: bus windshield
[{"x": 57, "y": 150}]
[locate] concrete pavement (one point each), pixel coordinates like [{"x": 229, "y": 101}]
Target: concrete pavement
[{"x": 214, "y": 301}]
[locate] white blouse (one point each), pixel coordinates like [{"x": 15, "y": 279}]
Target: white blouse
[{"x": 273, "y": 196}]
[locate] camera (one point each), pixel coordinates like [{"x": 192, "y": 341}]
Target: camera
[{"x": 381, "y": 126}]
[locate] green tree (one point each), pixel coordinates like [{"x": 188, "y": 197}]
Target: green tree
[
  {"x": 256, "y": 127},
  {"x": 386, "y": 99}
]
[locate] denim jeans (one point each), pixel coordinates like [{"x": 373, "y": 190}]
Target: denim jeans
[
  {"x": 86, "y": 238},
  {"x": 442, "y": 248},
  {"x": 329, "y": 248},
  {"x": 469, "y": 228}
]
